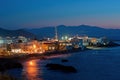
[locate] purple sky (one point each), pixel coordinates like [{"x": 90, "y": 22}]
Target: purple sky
[{"x": 39, "y": 13}]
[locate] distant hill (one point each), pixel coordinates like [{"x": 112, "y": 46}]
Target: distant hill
[
  {"x": 92, "y": 31},
  {"x": 15, "y": 33}
]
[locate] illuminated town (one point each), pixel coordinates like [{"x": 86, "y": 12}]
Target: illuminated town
[
  {"x": 59, "y": 39},
  {"x": 23, "y": 45}
]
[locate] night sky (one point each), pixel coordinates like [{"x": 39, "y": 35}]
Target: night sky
[{"x": 39, "y": 13}]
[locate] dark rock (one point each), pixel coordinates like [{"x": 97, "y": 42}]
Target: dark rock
[
  {"x": 7, "y": 77},
  {"x": 7, "y": 64},
  {"x": 59, "y": 67},
  {"x": 64, "y": 60},
  {"x": 13, "y": 65}
]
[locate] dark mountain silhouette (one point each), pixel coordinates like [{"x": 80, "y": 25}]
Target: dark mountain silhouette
[
  {"x": 81, "y": 30},
  {"x": 16, "y": 33}
]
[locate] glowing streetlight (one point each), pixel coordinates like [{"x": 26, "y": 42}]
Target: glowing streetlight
[
  {"x": 66, "y": 37},
  {"x": 62, "y": 38},
  {"x": 34, "y": 46}
]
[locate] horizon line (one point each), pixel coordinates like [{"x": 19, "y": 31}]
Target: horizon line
[{"x": 36, "y": 27}]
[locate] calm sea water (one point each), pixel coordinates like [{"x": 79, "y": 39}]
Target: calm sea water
[{"x": 99, "y": 64}]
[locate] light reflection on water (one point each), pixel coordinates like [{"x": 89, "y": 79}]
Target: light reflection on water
[
  {"x": 32, "y": 70},
  {"x": 98, "y": 64}
]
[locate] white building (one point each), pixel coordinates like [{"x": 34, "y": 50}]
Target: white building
[{"x": 8, "y": 40}]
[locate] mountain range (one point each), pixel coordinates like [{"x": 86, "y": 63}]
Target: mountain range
[
  {"x": 45, "y": 32},
  {"x": 82, "y": 30},
  {"x": 16, "y": 33}
]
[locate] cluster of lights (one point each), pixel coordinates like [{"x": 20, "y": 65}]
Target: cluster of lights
[{"x": 65, "y": 38}]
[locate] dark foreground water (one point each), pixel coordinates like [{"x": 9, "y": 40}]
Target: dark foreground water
[{"x": 100, "y": 64}]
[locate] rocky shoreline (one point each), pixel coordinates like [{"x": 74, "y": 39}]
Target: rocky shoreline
[
  {"x": 7, "y": 64},
  {"x": 12, "y": 62}
]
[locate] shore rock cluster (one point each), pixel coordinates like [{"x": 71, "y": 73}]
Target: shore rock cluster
[
  {"x": 6, "y": 64},
  {"x": 60, "y": 67}
]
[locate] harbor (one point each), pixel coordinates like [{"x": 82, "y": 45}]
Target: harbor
[
  {"x": 95, "y": 64},
  {"x": 23, "y": 53},
  {"x": 24, "y": 46}
]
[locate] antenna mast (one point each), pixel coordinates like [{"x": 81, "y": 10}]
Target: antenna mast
[{"x": 56, "y": 34}]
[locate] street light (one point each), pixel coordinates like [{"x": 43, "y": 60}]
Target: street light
[
  {"x": 62, "y": 38},
  {"x": 66, "y": 37}
]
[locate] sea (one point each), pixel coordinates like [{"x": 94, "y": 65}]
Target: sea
[{"x": 96, "y": 64}]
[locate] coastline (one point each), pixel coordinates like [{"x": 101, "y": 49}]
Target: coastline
[
  {"x": 22, "y": 56},
  {"x": 46, "y": 55}
]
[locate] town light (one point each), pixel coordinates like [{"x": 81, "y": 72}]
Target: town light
[
  {"x": 34, "y": 46},
  {"x": 62, "y": 38},
  {"x": 69, "y": 38},
  {"x": 66, "y": 37}
]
